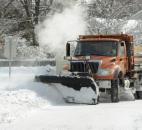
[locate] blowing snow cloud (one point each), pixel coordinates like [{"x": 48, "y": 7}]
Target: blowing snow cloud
[{"x": 61, "y": 27}]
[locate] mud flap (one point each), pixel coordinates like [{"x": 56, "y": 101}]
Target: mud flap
[
  {"x": 76, "y": 89},
  {"x": 126, "y": 94}
]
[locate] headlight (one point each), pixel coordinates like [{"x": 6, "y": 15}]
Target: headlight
[{"x": 104, "y": 72}]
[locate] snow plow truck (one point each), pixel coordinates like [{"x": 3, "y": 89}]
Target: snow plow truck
[{"x": 96, "y": 64}]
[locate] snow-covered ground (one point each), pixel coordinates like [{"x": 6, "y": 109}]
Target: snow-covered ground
[
  {"x": 121, "y": 116},
  {"x": 28, "y": 105},
  {"x": 20, "y": 94}
]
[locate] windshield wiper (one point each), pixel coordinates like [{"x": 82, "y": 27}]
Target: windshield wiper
[
  {"x": 79, "y": 55},
  {"x": 98, "y": 54}
]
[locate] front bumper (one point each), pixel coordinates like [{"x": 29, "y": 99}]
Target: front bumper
[{"x": 105, "y": 84}]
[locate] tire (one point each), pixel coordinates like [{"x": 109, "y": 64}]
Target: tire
[
  {"x": 135, "y": 95},
  {"x": 115, "y": 90},
  {"x": 96, "y": 101},
  {"x": 139, "y": 94}
]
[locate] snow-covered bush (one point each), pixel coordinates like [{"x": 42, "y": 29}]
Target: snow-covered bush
[{"x": 32, "y": 52}]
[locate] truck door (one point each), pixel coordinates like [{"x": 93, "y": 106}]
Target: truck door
[{"x": 122, "y": 57}]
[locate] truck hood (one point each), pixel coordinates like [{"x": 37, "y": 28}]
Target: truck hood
[
  {"x": 105, "y": 60},
  {"x": 92, "y": 58}
]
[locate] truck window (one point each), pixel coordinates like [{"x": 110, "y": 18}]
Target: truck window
[
  {"x": 121, "y": 49},
  {"x": 99, "y": 48}
]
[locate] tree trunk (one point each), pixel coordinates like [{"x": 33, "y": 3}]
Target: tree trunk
[
  {"x": 37, "y": 5},
  {"x": 30, "y": 21}
]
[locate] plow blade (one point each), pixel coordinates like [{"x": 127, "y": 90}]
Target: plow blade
[{"x": 76, "y": 89}]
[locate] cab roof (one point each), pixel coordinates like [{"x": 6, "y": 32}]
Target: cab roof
[
  {"x": 98, "y": 39},
  {"x": 116, "y": 37}
]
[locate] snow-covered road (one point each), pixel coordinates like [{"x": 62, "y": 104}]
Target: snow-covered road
[
  {"x": 121, "y": 116},
  {"x": 27, "y": 105}
]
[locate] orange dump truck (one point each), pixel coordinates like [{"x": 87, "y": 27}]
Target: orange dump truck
[{"x": 103, "y": 63}]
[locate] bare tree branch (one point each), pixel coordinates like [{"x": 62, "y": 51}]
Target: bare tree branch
[{"x": 6, "y": 7}]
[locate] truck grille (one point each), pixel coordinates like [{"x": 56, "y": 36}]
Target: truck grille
[{"x": 84, "y": 66}]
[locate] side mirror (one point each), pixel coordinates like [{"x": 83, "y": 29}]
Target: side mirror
[{"x": 68, "y": 49}]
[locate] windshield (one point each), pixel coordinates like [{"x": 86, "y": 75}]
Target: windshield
[{"x": 99, "y": 48}]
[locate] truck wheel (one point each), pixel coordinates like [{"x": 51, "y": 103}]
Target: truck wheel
[
  {"x": 115, "y": 90},
  {"x": 135, "y": 95},
  {"x": 96, "y": 101},
  {"x": 139, "y": 94}
]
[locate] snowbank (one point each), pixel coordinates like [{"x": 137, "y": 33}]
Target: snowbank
[{"x": 20, "y": 95}]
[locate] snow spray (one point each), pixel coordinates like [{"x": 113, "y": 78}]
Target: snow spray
[{"x": 61, "y": 27}]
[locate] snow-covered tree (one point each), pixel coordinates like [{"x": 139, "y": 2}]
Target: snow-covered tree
[{"x": 112, "y": 12}]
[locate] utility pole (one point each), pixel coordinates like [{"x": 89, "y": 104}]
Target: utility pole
[{"x": 10, "y": 56}]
